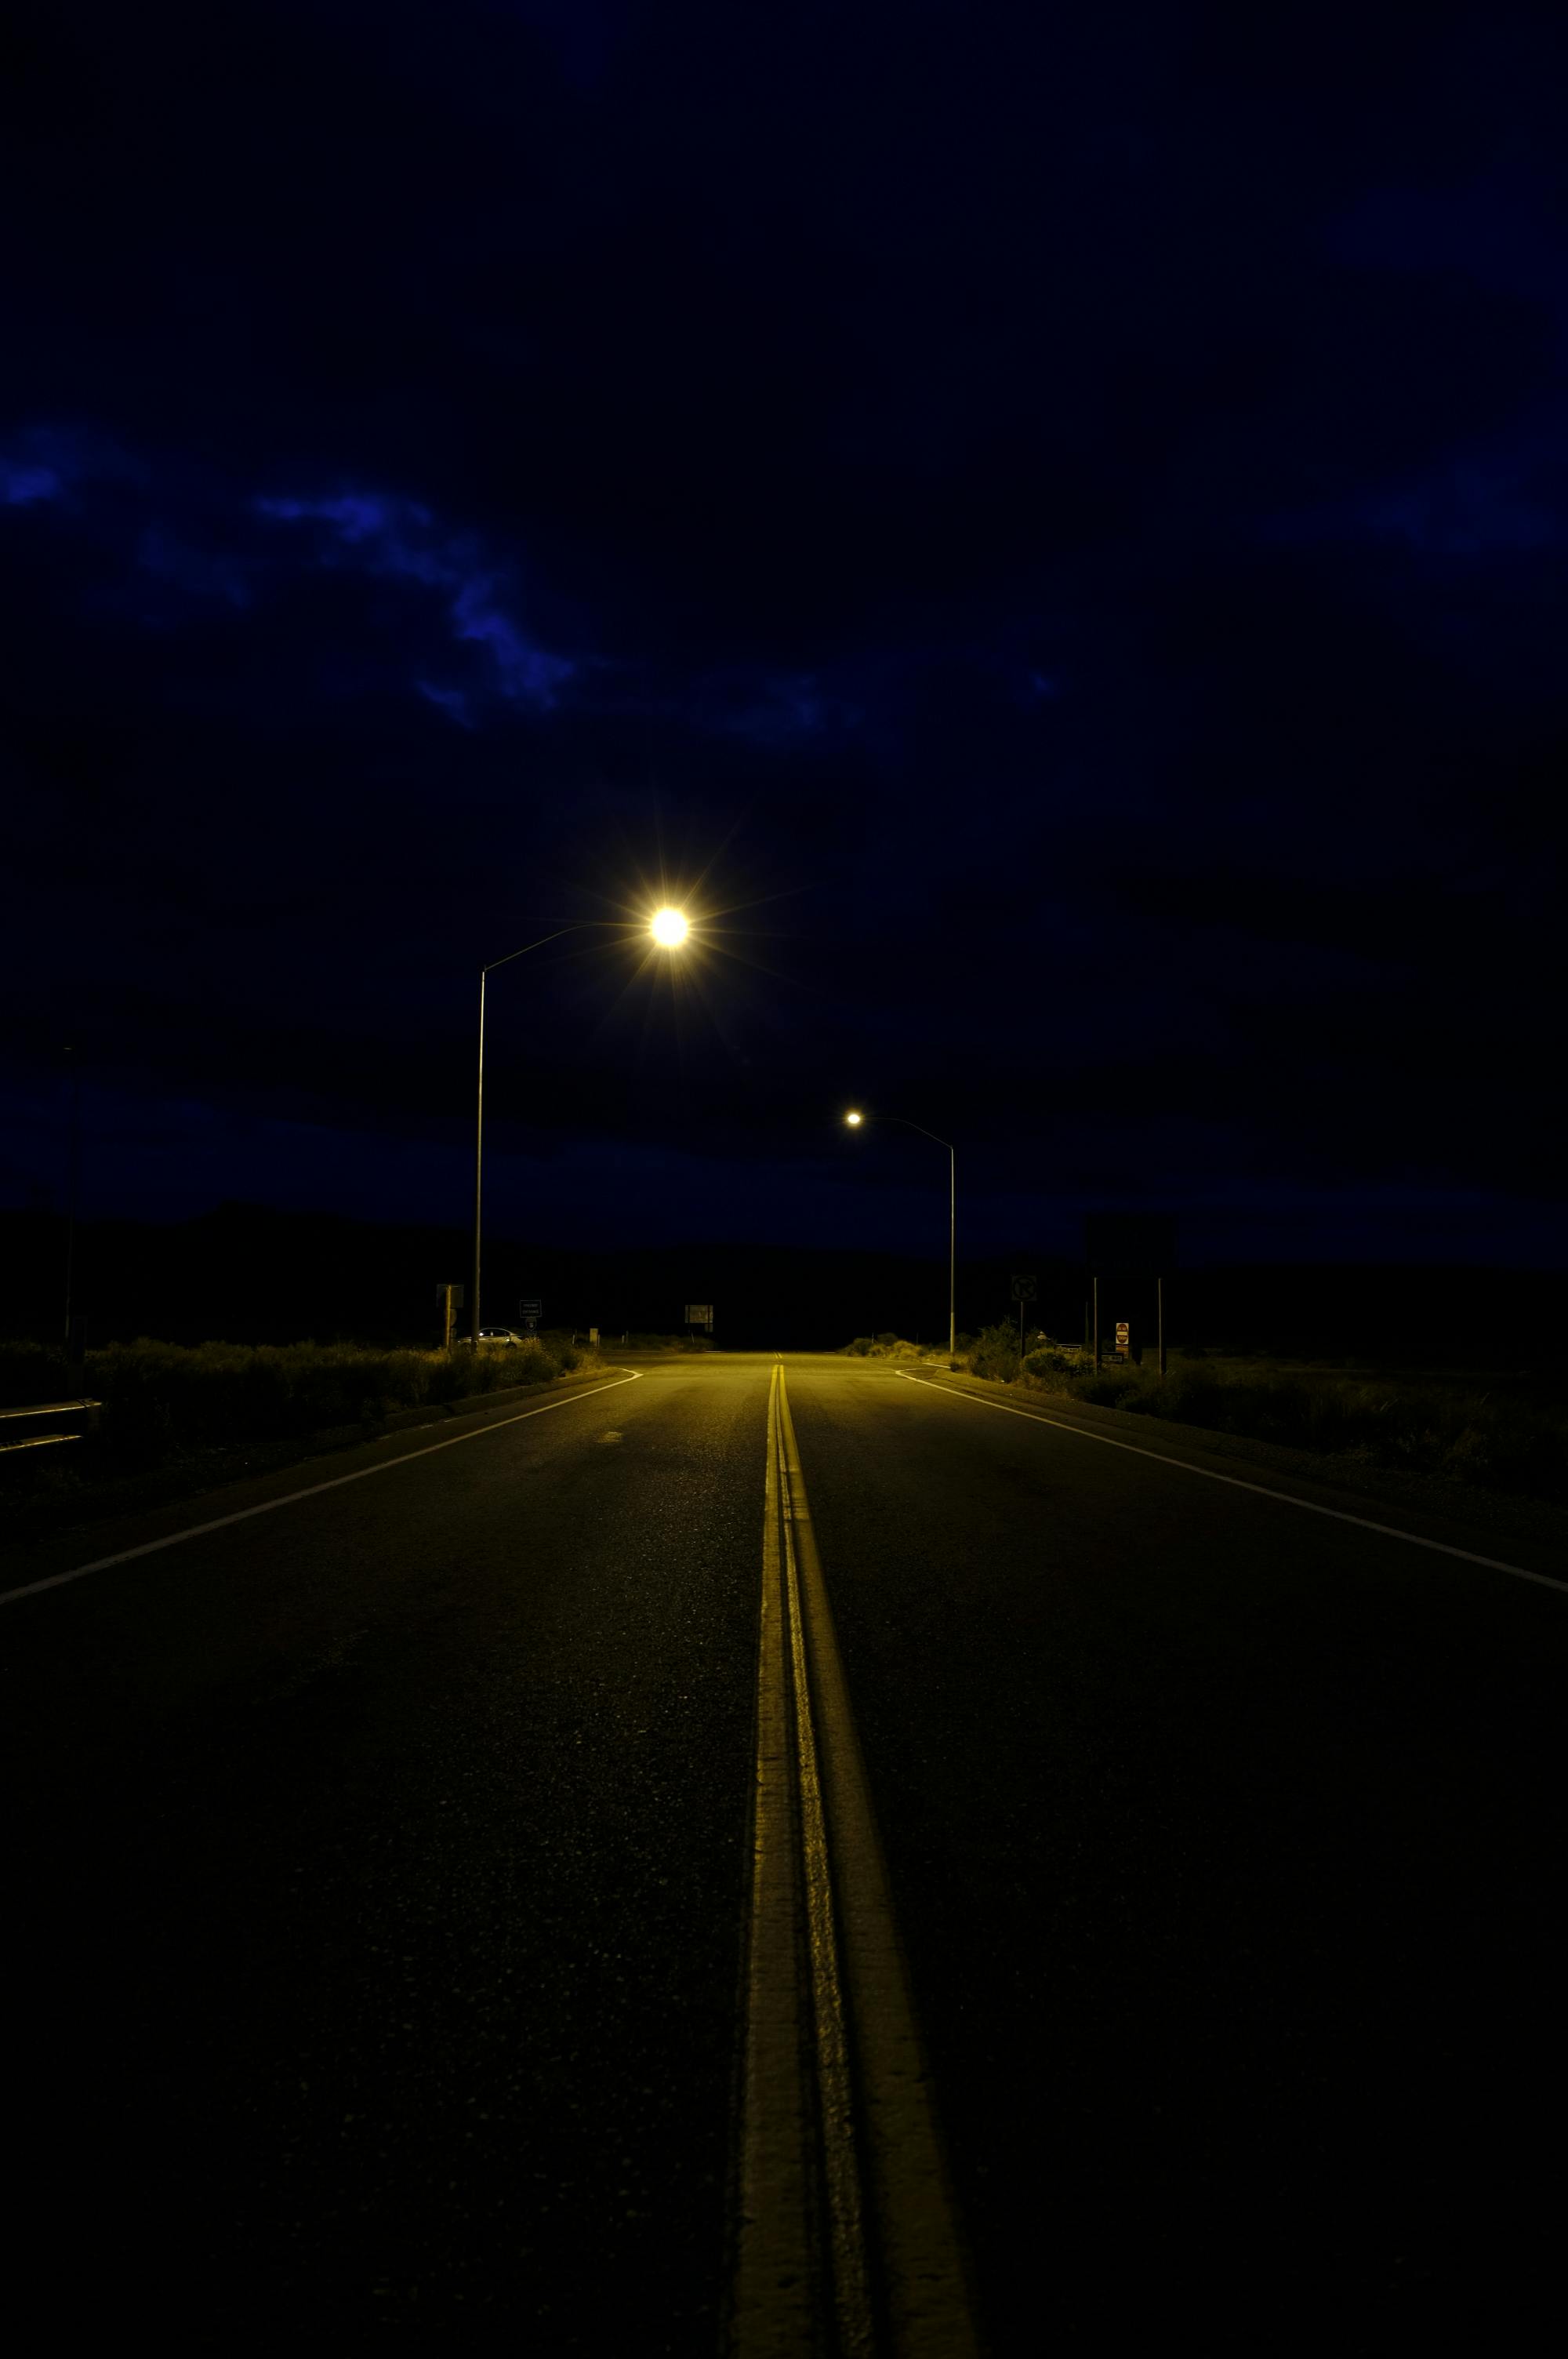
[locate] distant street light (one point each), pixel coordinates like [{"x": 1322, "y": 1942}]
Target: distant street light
[
  {"x": 854, "y": 1121},
  {"x": 669, "y": 927}
]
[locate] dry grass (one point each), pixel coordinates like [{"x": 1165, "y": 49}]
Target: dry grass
[
  {"x": 1506, "y": 1436},
  {"x": 165, "y": 1400},
  {"x": 1461, "y": 1432}
]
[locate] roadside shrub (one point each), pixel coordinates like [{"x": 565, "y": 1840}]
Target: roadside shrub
[
  {"x": 159, "y": 1400},
  {"x": 451, "y": 1374},
  {"x": 1106, "y": 1387},
  {"x": 1420, "y": 1428},
  {"x": 860, "y": 1347},
  {"x": 31, "y": 1373},
  {"x": 995, "y": 1352}
]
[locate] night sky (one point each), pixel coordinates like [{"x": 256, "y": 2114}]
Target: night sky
[{"x": 1044, "y": 528}]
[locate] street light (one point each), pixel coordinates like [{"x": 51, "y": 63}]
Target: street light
[
  {"x": 668, "y": 927},
  {"x": 853, "y": 1122}
]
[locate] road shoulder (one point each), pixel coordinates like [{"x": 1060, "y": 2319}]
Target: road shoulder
[
  {"x": 1487, "y": 1523},
  {"x": 35, "y": 1552}
]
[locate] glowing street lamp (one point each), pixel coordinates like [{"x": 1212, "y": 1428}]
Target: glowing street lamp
[
  {"x": 669, "y": 927},
  {"x": 853, "y": 1122}
]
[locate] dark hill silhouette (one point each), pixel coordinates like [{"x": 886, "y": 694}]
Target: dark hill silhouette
[{"x": 250, "y": 1275}]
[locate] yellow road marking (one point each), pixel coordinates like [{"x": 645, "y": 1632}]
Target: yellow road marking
[
  {"x": 774, "y": 2289},
  {"x": 852, "y": 2298},
  {"x": 834, "y": 2073}
]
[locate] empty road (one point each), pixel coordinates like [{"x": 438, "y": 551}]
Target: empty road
[{"x": 782, "y": 1857}]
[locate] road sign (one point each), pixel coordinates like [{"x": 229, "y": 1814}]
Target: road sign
[
  {"x": 455, "y": 1291},
  {"x": 1024, "y": 1289},
  {"x": 1122, "y": 1331},
  {"x": 1130, "y": 1245},
  {"x": 699, "y": 1314},
  {"x": 530, "y": 1307}
]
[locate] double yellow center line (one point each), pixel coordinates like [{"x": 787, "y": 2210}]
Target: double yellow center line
[{"x": 846, "y": 2242}]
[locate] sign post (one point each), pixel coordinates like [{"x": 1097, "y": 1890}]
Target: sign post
[
  {"x": 530, "y": 1311},
  {"x": 1136, "y": 1246},
  {"x": 448, "y": 1302},
  {"x": 1024, "y": 1290}
]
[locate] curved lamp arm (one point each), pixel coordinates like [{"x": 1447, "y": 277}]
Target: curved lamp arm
[
  {"x": 578, "y": 926},
  {"x": 575, "y": 928},
  {"x": 904, "y": 1123}
]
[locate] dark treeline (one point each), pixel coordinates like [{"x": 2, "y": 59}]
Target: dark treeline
[{"x": 246, "y": 1275}]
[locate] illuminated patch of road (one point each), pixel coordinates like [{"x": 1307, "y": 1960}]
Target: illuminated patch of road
[
  {"x": 1237, "y": 1483},
  {"x": 847, "y": 2239},
  {"x": 336, "y": 1483}
]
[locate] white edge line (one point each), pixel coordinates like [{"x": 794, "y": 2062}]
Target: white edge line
[
  {"x": 336, "y": 1483},
  {"x": 1340, "y": 1515}
]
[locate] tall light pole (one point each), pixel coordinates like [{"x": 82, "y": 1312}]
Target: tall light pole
[
  {"x": 854, "y": 1121},
  {"x": 73, "y": 1189},
  {"x": 669, "y": 928}
]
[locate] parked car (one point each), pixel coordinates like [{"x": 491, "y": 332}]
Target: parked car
[{"x": 498, "y": 1335}]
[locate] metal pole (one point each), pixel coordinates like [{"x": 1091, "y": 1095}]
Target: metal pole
[
  {"x": 1160, "y": 1302},
  {"x": 478, "y": 1164},
  {"x": 1095, "y": 1282},
  {"x": 576, "y": 927},
  {"x": 904, "y": 1123},
  {"x": 73, "y": 1184},
  {"x": 952, "y": 1252}
]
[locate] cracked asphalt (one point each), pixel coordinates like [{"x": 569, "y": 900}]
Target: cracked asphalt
[{"x": 379, "y": 1868}]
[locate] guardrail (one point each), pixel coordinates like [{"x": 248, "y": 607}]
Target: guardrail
[{"x": 49, "y": 1421}]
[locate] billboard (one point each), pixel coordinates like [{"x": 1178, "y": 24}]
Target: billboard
[{"x": 1130, "y": 1245}]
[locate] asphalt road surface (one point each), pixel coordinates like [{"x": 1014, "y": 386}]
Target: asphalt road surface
[{"x": 697, "y": 1862}]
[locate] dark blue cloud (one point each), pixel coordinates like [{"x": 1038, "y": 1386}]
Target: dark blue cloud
[
  {"x": 24, "y": 481},
  {"x": 1053, "y": 524},
  {"x": 399, "y": 540}
]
